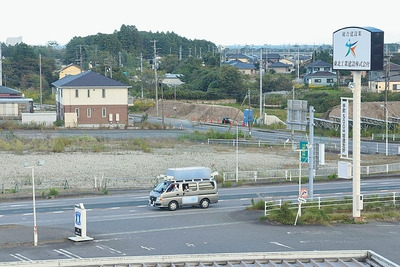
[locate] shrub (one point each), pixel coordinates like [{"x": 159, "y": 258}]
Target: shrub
[
  {"x": 226, "y": 184},
  {"x": 53, "y": 192},
  {"x": 332, "y": 176},
  {"x": 259, "y": 205},
  {"x": 284, "y": 215}
]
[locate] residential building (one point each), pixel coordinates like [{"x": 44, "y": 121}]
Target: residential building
[
  {"x": 245, "y": 68},
  {"x": 89, "y": 99},
  {"x": 319, "y": 73},
  {"x": 13, "y": 104},
  {"x": 240, "y": 57},
  {"x": 172, "y": 80},
  {"x": 377, "y": 81},
  {"x": 280, "y": 67},
  {"x": 70, "y": 69}
]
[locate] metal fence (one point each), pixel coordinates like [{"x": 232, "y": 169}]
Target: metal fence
[
  {"x": 290, "y": 174},
  {"x": 272, "y": 204}
]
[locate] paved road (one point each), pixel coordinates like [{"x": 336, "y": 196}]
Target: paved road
[
  {"x": 124, "y": 225},
  {"x": 189, "y": 127}
]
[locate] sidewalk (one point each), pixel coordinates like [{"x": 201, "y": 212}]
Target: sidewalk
[{"x": 17, "y": 235}]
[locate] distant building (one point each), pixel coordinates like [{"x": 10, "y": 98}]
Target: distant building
[
  {"x": 245, "y": 68},
  {"x": 319, "y": 73},
  {"x": 172, "y": 80},
  {"x": 280, "y": 67},
  {"x": 13, "y": 104},
  {"x": 70, "y": 69},
  {"x": 378, "y": 78},
  {"x": 13, "y": 40},
  {"x": 89, "y": 99}
]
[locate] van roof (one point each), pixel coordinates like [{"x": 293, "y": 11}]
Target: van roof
[{"x": 171, "y": 178}]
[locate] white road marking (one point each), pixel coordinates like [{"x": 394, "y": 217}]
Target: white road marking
[
  {"x": 26, "y": 214},
  {"x": 279, "y": 244},
  {"x": 148, "y": 248},
  {"x": 114, "y": 208},
  {"x": 189, "y": 245},
  {"x": 59, "y": 212},
  {"x": 100, "y": 247},
  {"x": 67, "y": 253},
  {"x": 20, "y": 257}
]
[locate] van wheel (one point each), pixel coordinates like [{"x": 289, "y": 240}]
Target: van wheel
[
  {"x": 173, "y": 205},
  {"x": 204, "y": 203}
]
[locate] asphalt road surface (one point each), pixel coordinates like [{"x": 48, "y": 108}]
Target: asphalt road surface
[{"x": 123, "y": 225}]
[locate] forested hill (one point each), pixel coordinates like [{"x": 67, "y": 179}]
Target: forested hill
[
  {"x": 119, "y": 51},
  {"x": 130, "y": 41}
]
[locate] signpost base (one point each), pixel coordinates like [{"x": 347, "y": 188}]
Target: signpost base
[{"x": 80, "y": 239}]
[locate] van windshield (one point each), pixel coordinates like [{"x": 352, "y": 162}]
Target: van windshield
[{"x": 162, "y": 186}]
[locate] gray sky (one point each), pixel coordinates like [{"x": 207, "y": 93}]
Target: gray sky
[{"x": 224, "y": 22}]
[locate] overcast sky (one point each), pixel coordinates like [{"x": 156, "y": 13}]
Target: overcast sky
[{"x": 224, "y": 22}]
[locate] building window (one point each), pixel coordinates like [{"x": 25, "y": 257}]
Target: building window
[
  {"x": 317, "y": 80},
  {"x": 103, "y": 93},
  {"x": 88, "y": 93},
  {"x": 329, "y": 80},
  {"x": 77, "y": 112},
  {"x": 396, "y": 86},
  {"x": 76, "y": 93},
  {"x": 61, "y": 92},
  {"x": 89, "y": 112},
  {"x": 103, "y": 112}
]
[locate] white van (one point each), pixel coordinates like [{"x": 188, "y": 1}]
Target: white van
[{"x": 176, "y": 191}]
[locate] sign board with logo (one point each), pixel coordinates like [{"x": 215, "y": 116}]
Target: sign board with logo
[
  {"x": 356, "y": 48},
  {"x": 80, "y": 224}
]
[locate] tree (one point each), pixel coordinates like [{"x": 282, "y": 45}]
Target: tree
[{"x": 169, "y": 63}]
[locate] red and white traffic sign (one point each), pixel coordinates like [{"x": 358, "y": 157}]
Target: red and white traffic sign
[{"x": 304, "y": 193}]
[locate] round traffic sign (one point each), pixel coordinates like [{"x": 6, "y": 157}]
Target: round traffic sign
[{"x": 304, "y": 193}]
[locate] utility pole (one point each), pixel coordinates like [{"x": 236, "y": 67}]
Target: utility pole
[
  {"x": 80, "y": 55},
  {"x": 180, "y": 53},
  {"x": 40, "y": 79},
  {"x": 190, "y": 52},
  {"x": 200, "y": 52},
  {"x": 261, "y": 85},
  {"x": 119, "y": 59},
  {"x": 155, "y": 72},
  {"x": 141, "y": 71},
  {"x": 292, "y": 127},
  {"x": 1, "y": 68},
  {"x": 249, "y": 115}
]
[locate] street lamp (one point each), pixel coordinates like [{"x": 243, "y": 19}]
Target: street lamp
[
  {"x": 39, "y": 163},
  {"x": 386, "y": 120}
]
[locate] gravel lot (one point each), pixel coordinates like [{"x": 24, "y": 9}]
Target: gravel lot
[{"x": 126, "y": 168}]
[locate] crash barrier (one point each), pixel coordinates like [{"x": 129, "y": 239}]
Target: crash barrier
[
  {"x": 351, "y": 258},
  {"x": 101, "y": 182},
  {"x": 240, "y": 142},
  {"x": 385, "y": 198},
  {"x": 290, "y": 174}
]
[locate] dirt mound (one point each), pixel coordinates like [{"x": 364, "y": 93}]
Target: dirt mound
[
  {"x": 190, "y": 111},
  {"x": 371, "y": 110}
]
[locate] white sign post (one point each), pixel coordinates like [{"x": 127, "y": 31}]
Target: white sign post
[
  {"x": 80, "y": 224},
  {"x": 357, "y": 49},
  {"x": 344, "y": 127}
]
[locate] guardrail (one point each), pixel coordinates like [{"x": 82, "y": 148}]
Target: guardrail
[
  {"x": 331, "y": 201},
  {"x": 293, "y": 174}
]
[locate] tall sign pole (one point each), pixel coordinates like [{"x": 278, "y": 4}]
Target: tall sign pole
[
  {"x": 357, "y": 49},
  {"x": 311, "y": 153}
]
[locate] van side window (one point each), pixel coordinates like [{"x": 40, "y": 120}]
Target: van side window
[
  {"x": 206, "y": 185},
  {"x": 192, "y": 186}
]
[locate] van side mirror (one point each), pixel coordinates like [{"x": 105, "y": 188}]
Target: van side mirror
[{"x": 214, "y": 174}]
